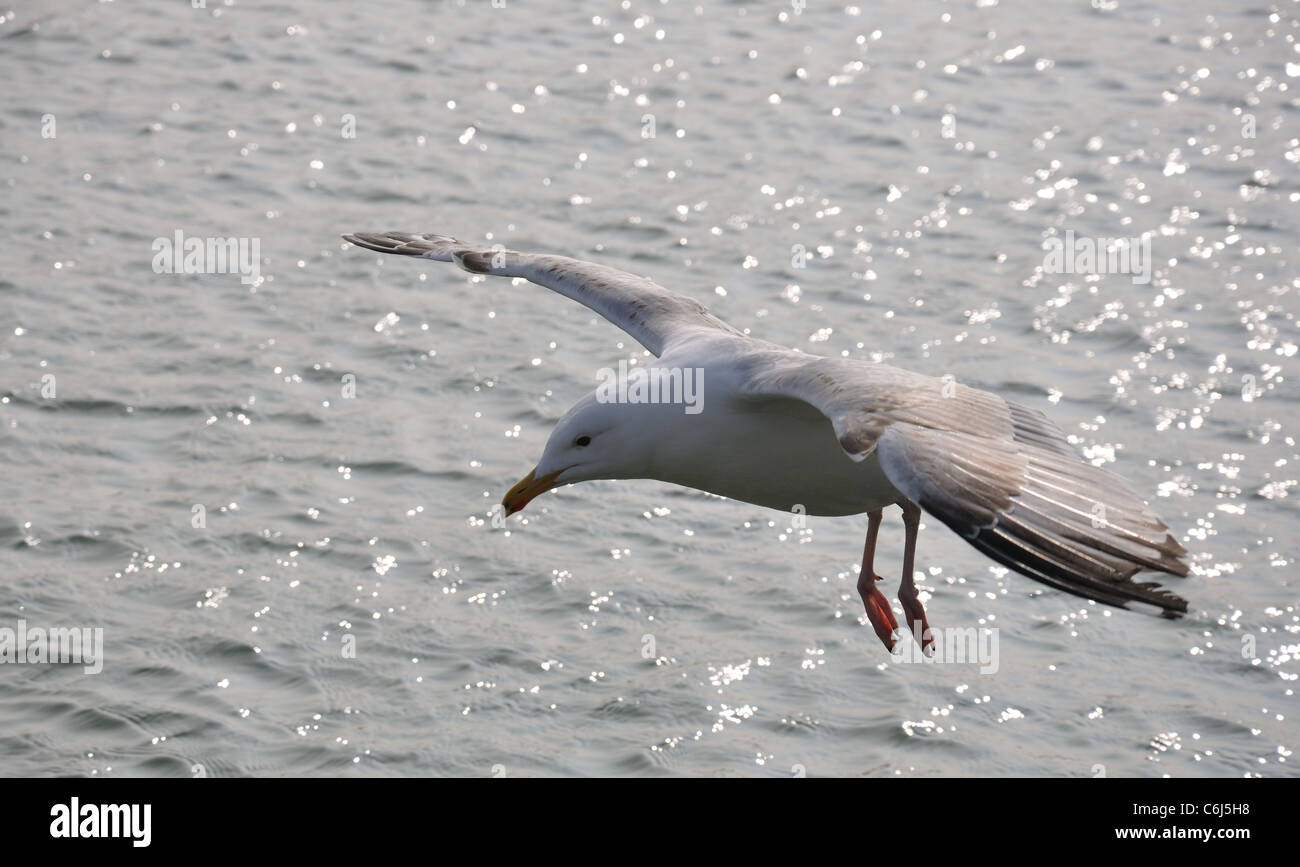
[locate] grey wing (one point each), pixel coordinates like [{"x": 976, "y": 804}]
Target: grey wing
[
  {"x": 1001, "y": 475},
  {"x": 651, "y": 314},
  {"x": 1037, "y": 508}
]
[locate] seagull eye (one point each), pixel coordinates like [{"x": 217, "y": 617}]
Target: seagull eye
[{"x": 582, "y": 441}]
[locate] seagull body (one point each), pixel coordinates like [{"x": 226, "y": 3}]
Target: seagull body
[
  {"x": 762, "y": 449},
  {"x": 827, "y": 436}
]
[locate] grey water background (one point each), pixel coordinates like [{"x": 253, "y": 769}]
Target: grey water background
[{"x": 919, "y": 153}]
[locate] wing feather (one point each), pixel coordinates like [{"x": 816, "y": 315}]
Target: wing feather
[
  {"x": 651, "y": 314},
  {"x": 999, "y": 474}
]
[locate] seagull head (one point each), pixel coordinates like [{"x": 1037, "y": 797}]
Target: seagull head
[{"x": 593, "y": 440}]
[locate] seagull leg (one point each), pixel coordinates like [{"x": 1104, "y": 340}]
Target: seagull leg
[
  {"x": 916, "y": 622},
  {"x": 878, "y": 611}
]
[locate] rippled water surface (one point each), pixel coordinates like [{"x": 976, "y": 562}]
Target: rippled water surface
[{"x": 918, "y": 153}]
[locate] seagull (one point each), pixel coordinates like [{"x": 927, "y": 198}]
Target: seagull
[{"x": 815, "y": 435}]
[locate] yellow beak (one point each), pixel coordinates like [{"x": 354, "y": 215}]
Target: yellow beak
[{"x": 527, "y": 488}]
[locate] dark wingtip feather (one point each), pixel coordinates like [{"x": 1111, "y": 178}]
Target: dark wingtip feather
[
  {"x": 1033, "y": 562},
  {"x": 438, "y": 247}
]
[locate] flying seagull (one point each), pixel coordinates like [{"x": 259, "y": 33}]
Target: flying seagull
[{"x": 836, "y": 436}]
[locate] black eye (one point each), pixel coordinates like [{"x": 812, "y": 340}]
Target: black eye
[{"x": 583, "y": 440}]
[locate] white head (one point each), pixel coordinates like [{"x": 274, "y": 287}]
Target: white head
[{"x": 593, "y": 440}]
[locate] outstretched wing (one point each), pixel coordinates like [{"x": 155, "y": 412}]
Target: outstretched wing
[
  {"x": 651, "y": 314},
  {"x": 1002, "y": 476}
]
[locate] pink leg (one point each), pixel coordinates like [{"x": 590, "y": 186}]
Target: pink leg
[
  {"x": 912, "y": 607},
  {"x": 878, "y": 611}
]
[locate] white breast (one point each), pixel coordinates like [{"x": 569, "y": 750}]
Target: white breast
[{"x": 782, "y": 454}]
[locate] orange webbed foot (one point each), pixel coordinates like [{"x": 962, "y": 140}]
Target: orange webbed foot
[
  {"x": 917, "y": 624},
  {"x": 881, "y": 617}
]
